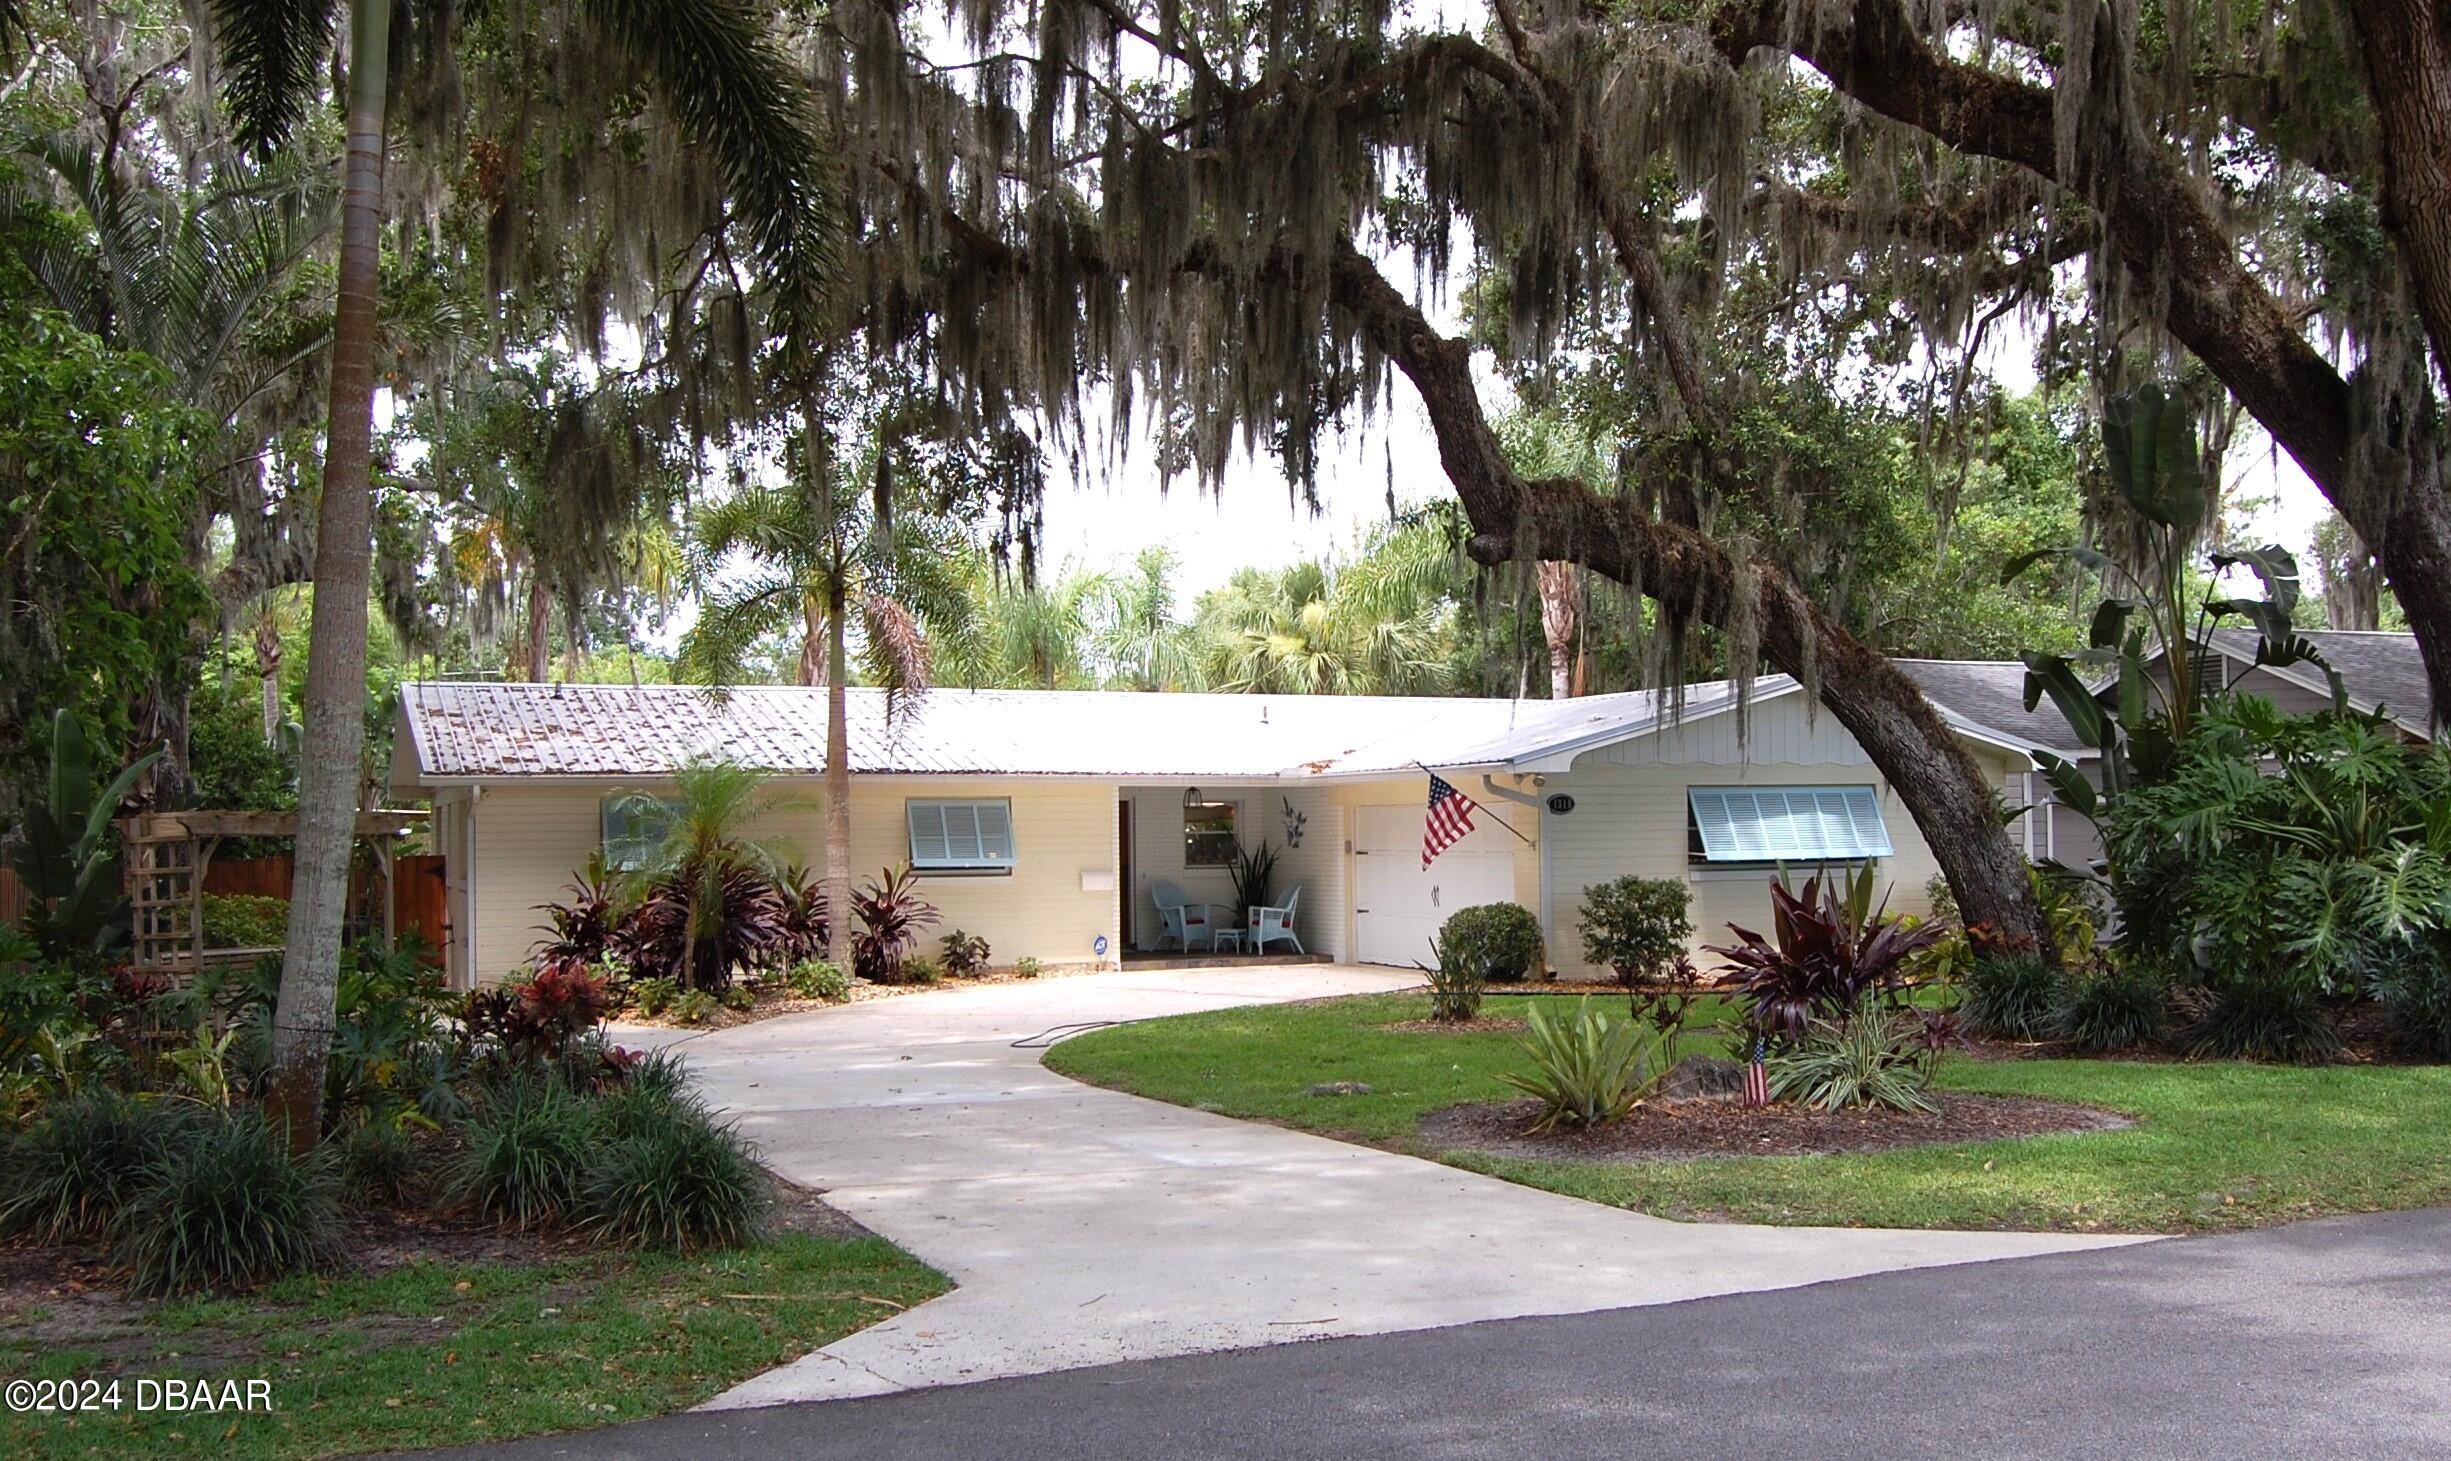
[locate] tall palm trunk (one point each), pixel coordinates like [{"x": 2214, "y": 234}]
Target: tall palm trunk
[
  {"x": 838, "y": 785},
  {"x": 1560, "y": 619},
  {"x": 540, "y": 627},
  {"x": 335, "y": 696},
  {"x": 813, "y": 641},
  {"x": 268, "y": 674},
  {"x": 836, "y": 874}
]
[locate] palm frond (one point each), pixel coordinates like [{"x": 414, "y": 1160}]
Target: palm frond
[
  {"x": 737, "y": 95},
  {"x": 894, "y": 648},
  {"x": 272, "y": 50}
]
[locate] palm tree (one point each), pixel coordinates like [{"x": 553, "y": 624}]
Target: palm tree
[
  {"x": 733, "y": 90},
  {"x": 1379, "y": 626},
  {"x": 1541, "y": 444},
  {"x": 1135, "y": 631},
  {"x": 812, "y": 555},
  {"x": 705, "y": 849}
]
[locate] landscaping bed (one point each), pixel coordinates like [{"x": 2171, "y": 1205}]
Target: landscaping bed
[
  {"x": 773, "y": 1004},
  {"x": 1689, "y": 1130},
  {"x": 2214, "y": 1145}
]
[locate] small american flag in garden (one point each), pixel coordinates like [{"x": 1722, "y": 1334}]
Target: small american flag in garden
[
  {"x": 1450, "y": 818},
  {"x": 1757, "y": 1077}
]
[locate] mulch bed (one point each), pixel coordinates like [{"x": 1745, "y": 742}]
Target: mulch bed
[
  {"x": 862, "y": 991},
  {"x": 1477, "y": 1025},
  {"x": 1692, "y": 1130}
]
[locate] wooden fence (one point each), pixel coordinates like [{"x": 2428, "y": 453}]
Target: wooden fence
[{"x": 417, "y": 888}]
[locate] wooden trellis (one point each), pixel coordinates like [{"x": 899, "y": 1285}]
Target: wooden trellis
[{"x": 168, "y": 853}]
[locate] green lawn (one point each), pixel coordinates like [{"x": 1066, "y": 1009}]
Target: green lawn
[
  {"x": 435, "y": 1354},
  {"x": 2215, "y": 1146}
]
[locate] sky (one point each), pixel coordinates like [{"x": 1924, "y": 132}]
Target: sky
[{"x": 1100, "y": 519}]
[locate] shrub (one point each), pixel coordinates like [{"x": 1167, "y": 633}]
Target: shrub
[
  {"x": 656, "y": 1070},
  {"x": 918, "y": 971},
  {"x": 1502, "y": 938},
  {"x": 738, "y": 996},
  {"x": 1457, "y": 985},
  {"x": 1829, "y": 952},
  {"x": 586, "y": 929},
  {"x": 675, "y": 1181},
  {"x": 1026, "y": 967},
  {"x": 965, "y": 955},
  {"x": 531, "y": 1017},
  {"x": 1588, "y": 1068},
  {"x": 803, "y": 924},
  {"x": 1870, "y": 1060},
  {"x": 1636, "y": 926},
  {"x": 892, "y": 916},
  {"x": 2415, "y": 992},
  {"x": 225, "y": 1205},
  {"x": 2012, "y": 996},
  {"x": 377, "y": 1161},
  {"x": 2113, "y": 1007},
  {"x": 651, "y": 997},
  {"x": 245, "y": 921},
  {"x": 693, "y": 1007},
  {"x": 70, "y": 1174},
  {"x": 739, "y": 926},
  {"x": 2248, "y": 1018},
  {"x": 817, "y": 979},
  {"x": 527, "y": 1153}
]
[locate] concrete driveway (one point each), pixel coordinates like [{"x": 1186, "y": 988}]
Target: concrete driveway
[{"x": 1087, "y": 1227}]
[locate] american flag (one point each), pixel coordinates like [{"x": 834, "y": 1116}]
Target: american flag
[
  {"x": 1450, "y": 818},
  {"x": 1757, "y": 1077}
]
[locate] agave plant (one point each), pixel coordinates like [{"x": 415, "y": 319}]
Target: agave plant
[
  {"x": 1588, "y": 1068},
  {"x": 892, "y": 917},
  {"x": 1829, "y": 950}
]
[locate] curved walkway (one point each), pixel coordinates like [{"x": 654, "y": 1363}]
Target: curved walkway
[{"x": 1086, "y": 1226}]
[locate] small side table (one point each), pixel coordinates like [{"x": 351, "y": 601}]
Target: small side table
[{"x": 1226, "y": 937}]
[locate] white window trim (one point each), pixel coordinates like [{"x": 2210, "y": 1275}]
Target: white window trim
[
  {"x": 1858, "y": 800},
  {"x": 980, "y": 862}
]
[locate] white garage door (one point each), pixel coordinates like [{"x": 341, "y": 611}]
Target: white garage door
[{"x": 1397, "y": 907}]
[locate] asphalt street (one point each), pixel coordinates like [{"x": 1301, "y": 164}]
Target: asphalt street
[{"x": 2325, "y": 1339}]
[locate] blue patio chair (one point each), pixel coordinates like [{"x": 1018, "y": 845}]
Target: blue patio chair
[
  {"x": 1185, "y": 920},
  {"x": 1271, "y": 924}
]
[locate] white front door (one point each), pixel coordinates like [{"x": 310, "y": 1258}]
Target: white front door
[{"x": 1397, "y": 907}]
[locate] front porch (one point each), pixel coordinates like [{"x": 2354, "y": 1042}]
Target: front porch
[{"x": 1134, "y": 959}]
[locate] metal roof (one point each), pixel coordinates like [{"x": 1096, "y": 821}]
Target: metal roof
[{"x": 461, "y": 730}]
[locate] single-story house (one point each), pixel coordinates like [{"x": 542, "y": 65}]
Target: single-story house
[
  {"x": 2381, "y": 670},
  {"x": 1045, "y": 821}
]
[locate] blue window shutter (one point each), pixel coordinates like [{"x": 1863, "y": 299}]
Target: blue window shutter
[
  {"x": 996, "y": 832},
  {"x": 1789, "y": 824},
  {"x": 961, "y": 834},
  {"x": 929, "y": 845}
]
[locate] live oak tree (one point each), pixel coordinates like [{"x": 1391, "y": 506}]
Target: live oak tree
[
  {"x": 704, "y": 90},
  {"x": 1186, "y": 225}
]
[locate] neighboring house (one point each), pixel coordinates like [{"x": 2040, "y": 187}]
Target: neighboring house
[
  {"x": 1044, "y": 820},
  {"x": 2381, "y": 670}
]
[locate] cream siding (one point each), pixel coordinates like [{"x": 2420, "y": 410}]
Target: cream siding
[
  {"x": 1054, "y": 905},
  {"x": 1413, "y": 792},
  {"x": 1630, "y": 816}
]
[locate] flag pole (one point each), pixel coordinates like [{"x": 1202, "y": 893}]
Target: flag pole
[{"x": 1503, "y": 822}]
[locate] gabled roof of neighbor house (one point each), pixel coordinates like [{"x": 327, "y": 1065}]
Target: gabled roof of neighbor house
[
  {"x": 2381, "y": 668},
  {"x": 466, "y": 731},
  {"x": 1991, "y": 693}
]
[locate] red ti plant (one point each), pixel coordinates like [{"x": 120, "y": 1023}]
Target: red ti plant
[
  {"x": 892, "y": 917},
  {"x": 1827, "y": 954},
  {"x": 582, "y": 930}
]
